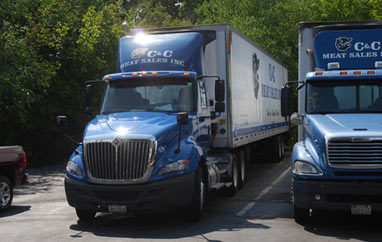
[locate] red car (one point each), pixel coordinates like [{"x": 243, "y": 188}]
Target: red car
[{"x": 13, "y": 163}]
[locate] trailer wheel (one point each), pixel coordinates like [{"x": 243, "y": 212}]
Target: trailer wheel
[
  {"x": 6, "y": 193},
  {"x": 234, "y": 177},
  {"x": 195, "y": 209},
  {"x": 274, "y": 149},
  {"x": 85, "y": 215},
  {"x": 242, "y": 169},
  {"x": 282, "y": 139}
]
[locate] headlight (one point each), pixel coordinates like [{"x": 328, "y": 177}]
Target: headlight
[
  {"x": 73, "y": 168},
  {"x": 175, "y": 166},
  {"x": 305, "y": 168}
]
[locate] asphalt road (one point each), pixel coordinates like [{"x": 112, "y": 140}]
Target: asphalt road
[{"x": 261, "y": 211}]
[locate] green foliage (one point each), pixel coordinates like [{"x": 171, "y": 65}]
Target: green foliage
[{"x": 48, "y": 48}]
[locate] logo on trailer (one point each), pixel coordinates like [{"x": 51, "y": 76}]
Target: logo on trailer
[
  {"x": 135, "y": 54},
  {"x": 255, "y": 71},
  {"x": 343, "y": 43}
]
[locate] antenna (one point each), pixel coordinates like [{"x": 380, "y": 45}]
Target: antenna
[{"x": 126, "y": 28}]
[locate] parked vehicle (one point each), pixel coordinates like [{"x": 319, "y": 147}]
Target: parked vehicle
[
  {"x": 337, "y": 163},
  {"x": 13, "y": 163},
  {"x": 178, "y": 120}
]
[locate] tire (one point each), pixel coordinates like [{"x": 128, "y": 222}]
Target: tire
[
  {"x": 242, "y": 169},
  {"x": 6, "y": 193},
  {"x": 85, "y": 215},
  {"x": 234, "y": 178},
  {"x": 195, "y": 209},
  {"x": 282, "y": 139},
  {"x": 301, "y": 215},
  {"x": 274, "y": 151}
]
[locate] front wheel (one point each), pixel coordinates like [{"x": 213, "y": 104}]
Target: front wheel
[
  {"x": 85, "y": 215},
  {"x": 6, "y": 193},
  {"x": 195, "y": 209}
]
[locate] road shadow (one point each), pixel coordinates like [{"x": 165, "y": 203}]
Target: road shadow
[
  {"x": 171, "y": 225},
  {"x": 13, "y": 210},
  {"x": 42, "y": 180},
  {"x": 343, "y": 226}
]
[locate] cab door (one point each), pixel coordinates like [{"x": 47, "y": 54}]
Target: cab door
[{"x": 203, "y": 117}]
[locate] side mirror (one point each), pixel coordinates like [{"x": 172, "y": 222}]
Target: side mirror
[
  {"x": 62, "y": 122},
  {"x": 182, "y": 118},
  {"x": 285, "y": 105},
  {"x": 296, "y": 119},
  {"x": 219, "y": 91},
  {"x": 88, "y": 100},
  {"x": 219, "y": 107}
]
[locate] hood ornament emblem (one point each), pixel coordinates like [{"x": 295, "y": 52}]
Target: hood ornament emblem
[{"x": 116, "y": 142}]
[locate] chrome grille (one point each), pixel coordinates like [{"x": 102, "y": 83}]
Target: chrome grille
[
  {"x": 355, "y": 152},
  {"x": 124, "y": 161}
]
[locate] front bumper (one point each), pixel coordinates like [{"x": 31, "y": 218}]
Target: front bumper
[
  {"x": 339, "y": 196},
  {"x": 155, "y": 196}
]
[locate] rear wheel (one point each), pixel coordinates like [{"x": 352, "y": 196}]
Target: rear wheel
[
  {"x": 6, "y": 193},
  {"x": 195, "y": 210},
  {"x": 242, "y": 169},
  {"x": 85, "y": 215},
  {"x": 234, "y": 177}
]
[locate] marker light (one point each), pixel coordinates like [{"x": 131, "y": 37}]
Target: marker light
[
  {"x": 154, "y": 73},
  {"x": 342, "y": 73},
  {"x": 186, "y": 74},
  {"x": 144, "y": 73},
  {"x": 357, "y": 73},
  {"x": 319, "y": 73},
  {"x": 134, "y": 74},
  {"x": 371, "y": 72},
  {"x": 107, "y": 77}
]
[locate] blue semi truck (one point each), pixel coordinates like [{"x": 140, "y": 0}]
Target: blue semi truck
[
  {"x": 178, "y": 119},
  {"x": 337, "y": 163}
]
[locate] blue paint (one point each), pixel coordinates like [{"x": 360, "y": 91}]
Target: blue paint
[
  {"x": 257, "y": 129},
  {"x": 175, "y": 52},
  {"x": 353, "y": 49}
]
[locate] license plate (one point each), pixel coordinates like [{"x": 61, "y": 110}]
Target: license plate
[
  {"x": 361, "y": 209},
  {"x": 117, "y": 209}
]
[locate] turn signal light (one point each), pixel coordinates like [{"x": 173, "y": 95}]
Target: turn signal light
[
  {"x": 186, "y": 74},
  {"x": 319, "y": 73},
  {"x": 342, "y": 73},
  {"x": 134, "y": 74},
  {"x": 357, "y": 73},
  {"x": 371, "y": 72}
]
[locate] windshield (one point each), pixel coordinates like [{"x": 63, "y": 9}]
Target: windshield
[
  {"x": 161, "y": 94},
  {"x": 344, "y": 96}
]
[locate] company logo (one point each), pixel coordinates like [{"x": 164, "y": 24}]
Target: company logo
[
  {"x": 138, "y": 53},
  {"x": 343, "y": 43},
  {"x": 116, "y": 142},
  {"x": 255, "y": 71}
]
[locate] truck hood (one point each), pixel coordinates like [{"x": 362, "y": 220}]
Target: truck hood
[
  {"x": 335, "y": 123},
  {"x": 321, "y": 126},
  {"x": 131, "y": 125}
]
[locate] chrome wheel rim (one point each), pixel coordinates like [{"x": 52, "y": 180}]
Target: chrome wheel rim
[
  {"x": 242, "y": 166},
  {"x": 5, "y": 194},
  {"x": 235, "y": 175}
]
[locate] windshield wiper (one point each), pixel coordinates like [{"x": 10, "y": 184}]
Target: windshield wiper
[{"x": 114, "y": 111}]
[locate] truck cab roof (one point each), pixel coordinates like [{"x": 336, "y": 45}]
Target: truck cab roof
[
  {"x": 139, "y": 74},
  {"x": 344, "y": 74}
]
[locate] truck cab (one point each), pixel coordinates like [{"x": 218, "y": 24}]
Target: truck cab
[
  {"x": 178, "y": 119},
  {"x": 337, "y": 163}
]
